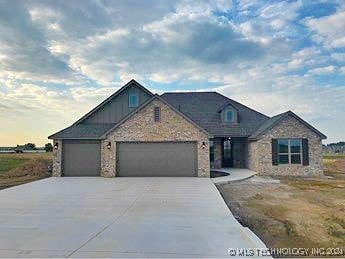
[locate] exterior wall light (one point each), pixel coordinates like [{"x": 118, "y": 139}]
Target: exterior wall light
[
  {"x": 56, "y": 145},
  {"x": 203, "y": 145},
  {"x": 109, "y": 145}
]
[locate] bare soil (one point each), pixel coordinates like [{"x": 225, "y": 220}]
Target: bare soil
[
  {"x": 23, "y": 168},
  {"x": 292, "y": 212}
]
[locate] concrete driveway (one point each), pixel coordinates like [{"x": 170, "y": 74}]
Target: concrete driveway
[{"x": 118, "y": 217}]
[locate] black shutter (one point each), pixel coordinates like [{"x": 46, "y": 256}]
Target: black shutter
[
  {"x": 274, "y": 152},
  {"x": 305, "y": 151}
]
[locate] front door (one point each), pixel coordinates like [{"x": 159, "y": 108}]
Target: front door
[{"x": 227, "y": 153}]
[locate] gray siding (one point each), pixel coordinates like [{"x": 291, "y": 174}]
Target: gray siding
[{"x": 118, "y": 108}]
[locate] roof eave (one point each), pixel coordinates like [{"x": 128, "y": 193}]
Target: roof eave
[{"x": 76, "y": 138}]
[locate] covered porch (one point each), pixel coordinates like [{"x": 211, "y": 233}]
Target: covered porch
[{"x": 228, "y": 152}]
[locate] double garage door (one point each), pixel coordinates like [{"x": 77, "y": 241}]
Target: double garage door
[{"x": 133, "y": 158}]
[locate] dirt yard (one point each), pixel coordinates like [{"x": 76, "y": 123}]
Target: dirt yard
[
  {"x": 18, "y": 169},
  {"x": 294, "y": 212}
]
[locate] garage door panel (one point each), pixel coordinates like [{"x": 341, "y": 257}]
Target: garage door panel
[
  {"x": 157, "y": 159},
  {"x": 81, "y": 158}
]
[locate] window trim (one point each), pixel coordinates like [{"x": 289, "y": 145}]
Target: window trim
[
  {"x": 232, "y": 116},
  {"x": 130, "y": 104},
  {"x": 289, "y": 153}
]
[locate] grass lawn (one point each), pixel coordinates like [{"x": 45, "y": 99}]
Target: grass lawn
[
  {"x": 291, "y": 211},
  {"x": 22, "y": 168}
]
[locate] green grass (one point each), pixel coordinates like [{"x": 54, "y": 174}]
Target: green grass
[
  {"x": 10, "y": 161},
  {"x": 333, "y": 155}
]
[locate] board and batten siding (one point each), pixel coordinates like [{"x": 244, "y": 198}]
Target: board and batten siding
[{"x": 118, "y": 108}]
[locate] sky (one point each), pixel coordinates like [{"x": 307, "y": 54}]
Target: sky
[{"x": 59, "y": 59}]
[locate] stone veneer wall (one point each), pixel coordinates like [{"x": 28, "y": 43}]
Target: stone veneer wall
[
  {"x": 260, "y": 151},
  {"x": 57, "y": 158},
  {"x": 141, "y": 127}
]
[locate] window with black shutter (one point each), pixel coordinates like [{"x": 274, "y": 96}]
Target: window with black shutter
[
  {"x": 290, "y": 151},
  {"x": 274, "y": 152},
  {"x": 157, "y": 114},
  {"x": 305, "y": 150}
]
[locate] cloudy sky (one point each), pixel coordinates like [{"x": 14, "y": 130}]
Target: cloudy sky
[{"x": 59, "y": 59}]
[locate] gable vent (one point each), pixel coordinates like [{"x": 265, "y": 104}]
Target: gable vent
[{"x": 157, "y": 114}]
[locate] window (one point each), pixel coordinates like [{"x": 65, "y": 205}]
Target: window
[
  {"x": 133, "y": 100},
  {"x": 229, "y": 116},
  {"x": 211, "y": 151},
  {"x": 157, "y": 114},
  {"x": 289, "y": 151}
]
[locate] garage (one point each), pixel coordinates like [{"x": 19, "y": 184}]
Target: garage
[
  {"x": 157, "y": 159},
  {"x": 81, "y": 158}
]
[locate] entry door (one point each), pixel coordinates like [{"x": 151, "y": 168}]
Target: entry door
[{"x": 227, "y": 153}]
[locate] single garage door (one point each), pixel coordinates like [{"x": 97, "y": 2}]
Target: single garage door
[
  {"x": 157, "y": 159},
  {"x": 81, "y": 158}
]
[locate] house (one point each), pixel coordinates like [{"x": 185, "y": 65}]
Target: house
[{"x": 137, "y": 133}]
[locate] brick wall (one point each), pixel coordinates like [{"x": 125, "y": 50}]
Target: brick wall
[
  {"x": 260, "y": 151},
  {"x": 141, "y": 127}
]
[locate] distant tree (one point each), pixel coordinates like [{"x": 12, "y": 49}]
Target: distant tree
[
  {"x": 48, "y": 147},
  {"x": 30, "y": 145}
]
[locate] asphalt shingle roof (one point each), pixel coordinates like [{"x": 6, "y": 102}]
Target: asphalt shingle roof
[
  {"x": 83, "y": 131},
  {"x": 273, "y": 121},
  {"x": 203, "y": 109},
  {"x": 268, "y": 124}
]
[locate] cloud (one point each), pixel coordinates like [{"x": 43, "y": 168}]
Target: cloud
[
  {"x": 329, "y": 30},
  {"x": 323, "y": 70},
  {"x": 307, "y": 56},
  {"x": 204, "y": 38},
  {"x": 338, "y": 56},
  {"x": 22, "y": 47},
  {"x": 58, "y": 59}
]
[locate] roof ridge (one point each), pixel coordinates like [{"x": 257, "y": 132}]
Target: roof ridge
[
  {"x": 242, "y": 104},
  {"x": 190, "y": 92}
]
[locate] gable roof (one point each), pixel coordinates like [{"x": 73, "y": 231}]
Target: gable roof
[
  {"x": 225, "y": 105},
  {"x": 203, "y": 109},
  {"x": 156, "y": 96},
  {"x": 110, "y": 98},
  {"x": 100, "y": 131},
  {"x": 199, "y": 108},
  {"x": 275, "y": 120}
]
